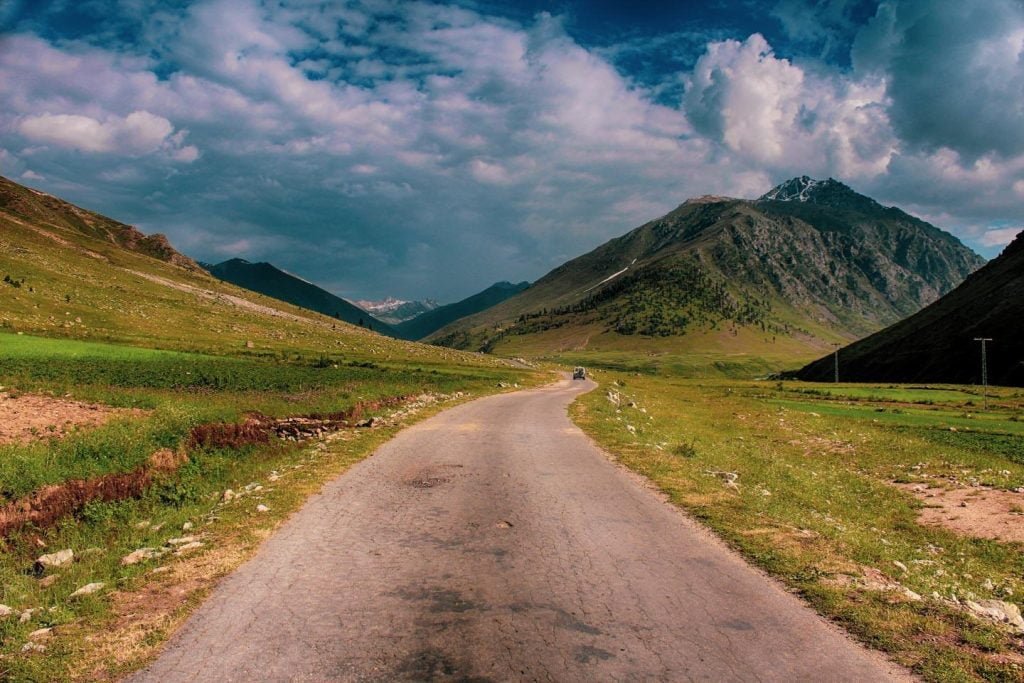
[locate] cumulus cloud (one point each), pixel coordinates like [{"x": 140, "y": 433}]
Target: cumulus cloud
[
  {"x": 772, "y": 112},
  {"x": 137, "y": 133}
]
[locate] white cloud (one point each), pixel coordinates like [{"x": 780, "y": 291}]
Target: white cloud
[
  {"x": 772, "y": 112},
  {"x": 999, "y": 237},
  {"x": 140, "y": 132}
]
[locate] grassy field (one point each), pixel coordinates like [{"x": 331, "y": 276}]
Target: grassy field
[
  {"x": 109, "y": 632},
  {"x": 802, "y": 479}
]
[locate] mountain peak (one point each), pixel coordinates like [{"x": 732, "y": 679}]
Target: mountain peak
[
  {"x": 829, "y": 192},
  {"x": 802, "y": 189}
]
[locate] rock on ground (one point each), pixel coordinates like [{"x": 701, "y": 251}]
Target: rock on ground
[
  {"x": 57, "y": 559},
  {"x": 87, "y": 589}
]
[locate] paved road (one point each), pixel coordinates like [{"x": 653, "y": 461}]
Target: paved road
[{"x": 494, "y": 542}]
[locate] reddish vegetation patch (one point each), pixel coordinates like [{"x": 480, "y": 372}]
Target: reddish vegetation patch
[
  {"x": 50, "y": 503},
  {"x": 229, "y": 434},
  {"x": 975, "y": 511},
  {"x": 259, "y": 428},
  {"x": 27, "y": 417}
]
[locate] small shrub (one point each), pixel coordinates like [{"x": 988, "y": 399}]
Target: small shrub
[
  {"x": 177, "y": 493},
  {"x": 685, "y": 450}
]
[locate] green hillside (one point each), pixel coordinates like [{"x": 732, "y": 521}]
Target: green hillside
[
  {"x": 71, "y": 273},
  {"x": 267, "y": 279},
  {"x": 780, "y": 279},
  {"x": 429, "y": 322},
  {"x": 938, "y": 343}
]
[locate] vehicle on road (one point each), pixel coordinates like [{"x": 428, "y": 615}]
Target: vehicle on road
[{"x": 579, "y": 372}]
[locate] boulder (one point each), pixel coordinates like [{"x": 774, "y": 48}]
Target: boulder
[
  {"x": 57, "y": 559},
  {"x": 998, "y": 611},
  {"x": 87, "y": 589},
  {"x": 140, "y": 555}
]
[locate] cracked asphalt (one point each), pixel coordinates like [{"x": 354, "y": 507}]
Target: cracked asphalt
[{"x": 495, "y": 542}]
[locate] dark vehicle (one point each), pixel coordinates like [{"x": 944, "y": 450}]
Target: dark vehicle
[{"x": 579, "y": 373}]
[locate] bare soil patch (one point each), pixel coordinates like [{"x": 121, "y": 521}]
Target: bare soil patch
[
  {"x": 974, "y": 511},
  {"x": 28, "y": 417}
]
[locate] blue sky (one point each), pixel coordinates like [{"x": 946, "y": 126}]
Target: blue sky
[{"x": 422, "y": 149}]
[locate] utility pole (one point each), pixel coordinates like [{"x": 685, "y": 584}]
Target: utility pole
[
  {"x": 836, "y": 364},
  {"x": 984, "y": 368}
]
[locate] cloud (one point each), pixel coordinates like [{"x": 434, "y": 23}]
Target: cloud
[
  {"x": 772, "y": 112},
  {"x": 418, "y": 149},
  {"x": 954, "y": 72},
  {"x": 999, "y": 237},
  {"x": 138, "y": 133}
]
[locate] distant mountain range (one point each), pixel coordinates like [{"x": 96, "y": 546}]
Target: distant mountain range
[
  {"x": 938, "y": 343},
  {"x": 807, "y": 264},
  {"x": 394, "y": 311},
  {"x": 429, "y": 322},
  {"x": 270, "y": 280}
]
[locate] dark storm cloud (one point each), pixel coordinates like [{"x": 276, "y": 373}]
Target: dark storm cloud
[{"x": 955, "y": 72}]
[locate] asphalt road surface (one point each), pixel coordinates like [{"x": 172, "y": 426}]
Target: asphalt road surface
[{"x": 495, "y": 542}]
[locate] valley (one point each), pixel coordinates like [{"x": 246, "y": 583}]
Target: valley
[{"x": 167, "y": 426}]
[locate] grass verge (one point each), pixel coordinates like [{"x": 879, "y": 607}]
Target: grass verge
[{"x": 799, "y": 478}]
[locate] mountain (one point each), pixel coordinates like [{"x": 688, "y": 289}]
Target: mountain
[
  {"x": 394, "y": 311},
  {"x": 431, "y": 321},
  {"x": 69, "y": 272},
  {"x": 807, "y": 264},
  {"x": 937, "y": 344},
  {"x": 30, "y": 206},
  {"x": 267, "y": 279}
]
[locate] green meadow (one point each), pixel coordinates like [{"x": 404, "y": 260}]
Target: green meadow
[
  {"x": 168, "y": 394},
  {"x": 803, "y": 480}
]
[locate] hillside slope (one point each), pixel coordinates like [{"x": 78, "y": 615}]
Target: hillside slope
[
  {"x": 937, "y": 344},
  {"x": 69, "y": 272},
  {"x": 265, "y": 278},
  {"x": 808, "y": 264},
  {"x": 37, "y": 207},
  {"x": 431, "y": 321}
]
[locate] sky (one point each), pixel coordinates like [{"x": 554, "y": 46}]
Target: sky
[{"x": 421, "y": 149}]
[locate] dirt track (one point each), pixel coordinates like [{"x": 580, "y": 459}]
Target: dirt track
[{"x": 495, "y": 542}]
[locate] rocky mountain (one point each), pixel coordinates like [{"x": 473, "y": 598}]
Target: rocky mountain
[
  {"x": 938, "y": 343},
  {"x": 270, "y": 280},
  {"x": 431, "y": 321},
  {"x": 394, "y": 311},
  {"x": 808, "y": 263},
  {"x": 44, "y": 210}
]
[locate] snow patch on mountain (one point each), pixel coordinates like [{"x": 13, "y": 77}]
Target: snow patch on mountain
[
  {"x": 796, "y": 190},
  {"x": 393, "y": 310}
]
